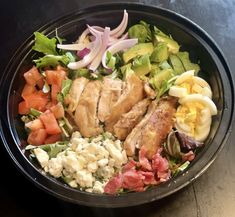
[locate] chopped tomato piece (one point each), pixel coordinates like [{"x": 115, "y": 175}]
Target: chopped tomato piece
[
  {"x": 58, "y": 110},
  {"x": 37, "y": 137},
  {"x": 28, "y": 89},
  {"x": 35, "y": 124},
  {"x": 50, "y": 123},
  {"x": 37, "y": 100},
  {"x": 55, "y": 89},
  {"x": 32, "y": 76},
  {"x": 53, "y": 138},
  {"x": 23, "y": 108},
  {"x": 55, "y": 77}
]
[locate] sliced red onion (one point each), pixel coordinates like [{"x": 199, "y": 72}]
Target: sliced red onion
[
  {"x": 75, "y": 46},
  {"x": 82, "y": 53},
  {"x": 87, "y": 31},
  {"x": 88, "y": 58},
  {"x": 105, "y": 39},
  {"x": 119, "y": 46},
  {"x": 118, "y": 31},
  {"x": 115, "y": 40}
]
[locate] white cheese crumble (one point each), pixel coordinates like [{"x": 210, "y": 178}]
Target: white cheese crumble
[{"x": 87, "y": 164}]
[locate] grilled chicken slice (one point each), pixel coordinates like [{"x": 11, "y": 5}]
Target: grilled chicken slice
[
  {"x": 111, "y": 91},
  {"x": 86, "y": 112},
  {"x": 134, "y": 138},
  {"x": 128, "y": 120},
  {"x": 74, "y": 94},
  {"x": 159, "y": 125},
  {"x": 132, "y": 93},
  {"x": 153, "y": 128}
]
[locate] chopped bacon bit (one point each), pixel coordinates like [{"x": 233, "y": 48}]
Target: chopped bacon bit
[
  {"x": 130, "y": 165},
  {"x": 188, "y": 156},
  {"x": 149, "y": 178},
  {"x": 113, "y": 185},
  {"x": 133, "y": 180},
  {"x": 144, "y": 162},
  {"x": 159, "y": 163}
]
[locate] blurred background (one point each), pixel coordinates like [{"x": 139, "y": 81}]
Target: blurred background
[{"x": 212, "y": 195}]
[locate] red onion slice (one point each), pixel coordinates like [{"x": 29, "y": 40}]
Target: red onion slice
[
  {"x": 115, "y": 40},
  {"x": 75, "y": 46},
  {"x": 118, "y": 31},
  {"x": 87, "y": 31},
  {"x": 119, "y": 46},
  {"x": 96, "y": 62},
  {"x": 88, "y": 58}
]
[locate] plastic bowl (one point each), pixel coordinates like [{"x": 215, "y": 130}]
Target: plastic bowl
[{"x": 189, "y": 35}]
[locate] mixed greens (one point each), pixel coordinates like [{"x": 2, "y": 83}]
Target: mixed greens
[{"x": 146, "y": 51}]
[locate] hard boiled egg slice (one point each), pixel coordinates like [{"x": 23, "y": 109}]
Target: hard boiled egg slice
[{"x": 206, "y": 101}]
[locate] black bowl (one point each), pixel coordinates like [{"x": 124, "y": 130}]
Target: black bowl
[{"x": 192, "y": 38}]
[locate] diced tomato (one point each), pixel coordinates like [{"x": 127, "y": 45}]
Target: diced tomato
[
  {"x": 58, "y": 110},
  {"x": 55, "y": 77},
  {"x": 55, "y": 89},
  {"x": 37, "y": 100},
  {"x": 23, "y": 109},
  {"x": 40, "y": 83},
  {"x": 53, "y": 138},
  {"x": 50, "y": 123},
  {"x": 35, "y": 124},
  {"x": 32, "y": 76},
  {"x": 28, "y": 90},
  {"x": 37, "y": 137}
]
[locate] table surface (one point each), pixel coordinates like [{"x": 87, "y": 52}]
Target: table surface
[{"x": 211, "y": 195}]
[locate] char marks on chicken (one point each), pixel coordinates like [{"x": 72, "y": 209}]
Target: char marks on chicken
[
  {"x": 153, "y": 129},
  {"x": 129, "y": 120}
]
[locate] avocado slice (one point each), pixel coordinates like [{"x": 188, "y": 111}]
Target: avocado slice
[
  {"x": 141, "y": 66},
  {"x": 163, "y": 75},
  {"x": 172, "y": 45},
  {"x": 188, "y": 65},
  {"x": 160, "y": 53},
  {"x": 154, "y": 70},
  {"x": 165, "y": 65},
  {"x": 176, "y": 64},
  {"x": 137, "y": 50},
  {"x": 126, "y": 70},
  {"x": 138, "y": 31}
]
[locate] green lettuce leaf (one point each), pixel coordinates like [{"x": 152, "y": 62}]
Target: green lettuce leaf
[{"x": 44, "y": 45}]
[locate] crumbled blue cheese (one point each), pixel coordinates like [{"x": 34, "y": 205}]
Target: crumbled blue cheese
[
  {"x": 42, "y": 157},
  {"x": 88, "y": 164}
]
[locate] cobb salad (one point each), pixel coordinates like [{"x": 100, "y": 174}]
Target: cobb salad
[{"x": 119, "y": 110}]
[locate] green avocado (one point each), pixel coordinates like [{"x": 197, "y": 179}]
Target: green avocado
[
  {"x": 160, "y": 53},
  {"x": 138, "y": 31},
  {"x": 163, "y": 75},
  {"x": 188, "y": 65},
  {"x": 141, "y": 65},
  {"x": 137, "y": 50},
  {"x": 172, "y": 45},
  {"x": 176, "y": 63},
  {"x": 154, "y": 70}
]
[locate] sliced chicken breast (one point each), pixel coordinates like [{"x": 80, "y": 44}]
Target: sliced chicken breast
[
  {"x": 74, "y": 94},
  {"x": 86, "y": 112},
  {"x": 132, "y": 93},
  {"x": 159, "y": 125},
  {"x": 111, "y": 91},
  {"x": 128, "y": 120},
  {"x": 134, "y": 138},
  {"x": 153, "y": 128}
]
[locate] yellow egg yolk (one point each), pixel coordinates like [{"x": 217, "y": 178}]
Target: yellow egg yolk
[{"x": 189, "y": 114}]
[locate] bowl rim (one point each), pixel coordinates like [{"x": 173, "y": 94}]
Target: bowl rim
[{"x": 115, "y": 203}]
